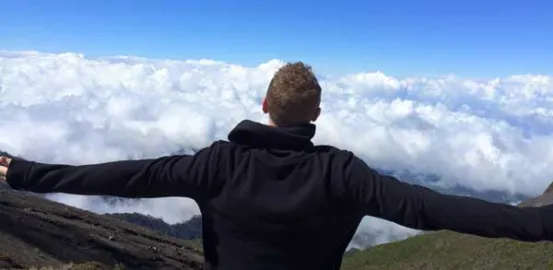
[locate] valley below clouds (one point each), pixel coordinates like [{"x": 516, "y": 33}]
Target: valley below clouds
[{"x": 493, "y": 135}]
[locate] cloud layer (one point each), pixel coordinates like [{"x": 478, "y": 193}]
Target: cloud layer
[{"x": 485, "y": 135}]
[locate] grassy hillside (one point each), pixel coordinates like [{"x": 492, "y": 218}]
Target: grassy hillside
[{"x": 448, "y": 250}]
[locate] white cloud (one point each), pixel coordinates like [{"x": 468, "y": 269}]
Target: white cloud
[{"x": 494, "y": 134}]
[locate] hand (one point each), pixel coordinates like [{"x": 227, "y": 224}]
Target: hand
[{"x": 4, "y": 163}]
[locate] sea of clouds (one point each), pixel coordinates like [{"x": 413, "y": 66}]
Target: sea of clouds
[{"x": 66, "y": 108}]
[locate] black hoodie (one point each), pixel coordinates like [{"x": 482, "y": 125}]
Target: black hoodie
[{"x": 271, "y": 199}]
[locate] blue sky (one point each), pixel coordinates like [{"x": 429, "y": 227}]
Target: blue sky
[{"x": 472, "y": 38}]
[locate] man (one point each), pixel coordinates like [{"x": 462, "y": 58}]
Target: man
[{"x": 270, "y": 199}]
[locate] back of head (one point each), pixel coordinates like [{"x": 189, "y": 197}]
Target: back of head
[{"x": 293, "y": 96}]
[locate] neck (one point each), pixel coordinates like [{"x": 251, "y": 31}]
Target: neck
[{"x": 271, "y": 123}]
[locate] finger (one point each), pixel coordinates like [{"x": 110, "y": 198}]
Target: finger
[{"x": 2, "y": 179}]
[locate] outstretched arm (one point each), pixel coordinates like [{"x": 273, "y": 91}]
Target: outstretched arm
[
  {"x": 178, "y": 175},
  {"x": 421, "y": 208}
]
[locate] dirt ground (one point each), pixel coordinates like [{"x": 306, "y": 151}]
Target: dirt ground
[{"x": 36, "y": 232}]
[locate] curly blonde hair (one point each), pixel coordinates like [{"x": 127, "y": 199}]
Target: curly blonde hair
[{"x": 293, "y": 95}]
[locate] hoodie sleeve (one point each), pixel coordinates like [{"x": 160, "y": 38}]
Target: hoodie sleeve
[
  {"x": 421, "y": 208},
  {"x": 178, "y": 175}
]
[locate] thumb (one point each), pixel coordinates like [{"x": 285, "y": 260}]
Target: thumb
[
  {"x": 3, "y": 172},
  {"x": 5, "y": 161}
]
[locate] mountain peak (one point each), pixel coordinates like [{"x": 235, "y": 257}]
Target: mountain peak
[{"x": 546, "y": 198}]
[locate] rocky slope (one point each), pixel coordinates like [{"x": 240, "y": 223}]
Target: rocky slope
[{"x": 38, "y": 232}]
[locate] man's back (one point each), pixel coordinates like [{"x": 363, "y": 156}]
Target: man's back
[{"x": 277, "y": 201}]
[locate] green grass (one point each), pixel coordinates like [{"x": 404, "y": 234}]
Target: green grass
[
  {"x": 196, "y": 244},
  {"x": 448, "y": 250}
]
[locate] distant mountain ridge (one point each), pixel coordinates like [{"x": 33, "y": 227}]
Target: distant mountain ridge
[
  {"x": 187, "y": 230},
  {"x": 432, "y": 181}
]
